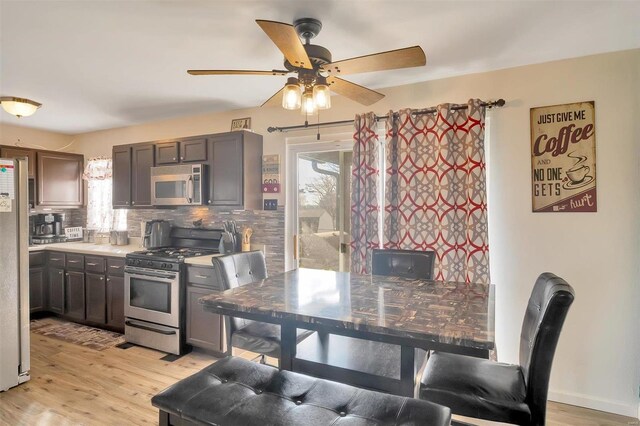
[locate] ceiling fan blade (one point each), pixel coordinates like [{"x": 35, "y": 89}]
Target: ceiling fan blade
[
  {"x": 236, "y": 72},
  {"x": 354, "y": 91},
  {"x": 274, "y": 100},
  {"x": 286, "y": 38},
  {"x": 393, "y": 59}
]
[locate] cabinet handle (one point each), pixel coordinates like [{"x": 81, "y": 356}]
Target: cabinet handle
[
  {"x": 55, "y": 259},
  {"x": 108, "y": 279},
  {"x": 90, "y": 263},
  {"x": 182, "y": 158},
  {"x": 174, "y": 158},
  {"x": 60, "y": 273},
  {"x": 74, "y": 261},
  {"x": 133, "y": 202},
  {"x": 67, "y": 274},
  {"x": 126, "y": 202},
  {"x": 115, "y": 267},
  {"x": 202, "y": 276},
  {"x": 101, "y": 278}
]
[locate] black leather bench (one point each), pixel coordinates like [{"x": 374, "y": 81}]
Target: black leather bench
[{"x": 234, "y": 391}]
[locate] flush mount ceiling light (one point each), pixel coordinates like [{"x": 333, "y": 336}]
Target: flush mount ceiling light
[
  {"x": 316, "y": 74},
  {"x": 20, "y": 107}
]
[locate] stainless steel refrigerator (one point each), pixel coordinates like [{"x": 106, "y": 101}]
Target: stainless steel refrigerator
[{"x": 14, "y": 273}]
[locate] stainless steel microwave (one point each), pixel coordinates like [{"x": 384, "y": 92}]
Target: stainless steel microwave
[{"x": 180, "y": 185}]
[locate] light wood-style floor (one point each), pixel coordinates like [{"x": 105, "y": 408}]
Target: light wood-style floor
[{"x": 72, "y": 385}]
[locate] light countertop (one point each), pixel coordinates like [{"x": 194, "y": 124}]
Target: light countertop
[
  {"x": 89, "y": 248},
  {"x": 201, "y": 260},
  {"x": 119, "y": 251}
]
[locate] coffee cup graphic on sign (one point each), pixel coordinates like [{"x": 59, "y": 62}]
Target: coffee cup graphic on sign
[{"x": 578, "y": 175}]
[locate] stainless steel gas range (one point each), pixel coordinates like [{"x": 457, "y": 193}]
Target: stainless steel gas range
[{"x": 155, "y": 289}]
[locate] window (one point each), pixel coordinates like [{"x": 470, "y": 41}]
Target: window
[{"x": 100, "y": 214}]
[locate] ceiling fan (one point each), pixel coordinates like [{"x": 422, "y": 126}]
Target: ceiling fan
[{"x": 316, "y": 74}]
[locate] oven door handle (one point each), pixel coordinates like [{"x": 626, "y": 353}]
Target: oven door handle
[
  {"x": 149, "y": 328},
  {"x": 149, "y": 274},
  {"x": 190, "y": 189}
]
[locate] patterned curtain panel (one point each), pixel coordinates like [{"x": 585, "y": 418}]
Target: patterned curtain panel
[
  {"x": 364, "y": 193},
  {"x": 435, "y": 193}
]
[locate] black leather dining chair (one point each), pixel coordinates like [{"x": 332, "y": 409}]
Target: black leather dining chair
[
  {"x": 403, "y": 263},
  {"x": 262, "y": 338},
  {"x": 489, "y": 390}
]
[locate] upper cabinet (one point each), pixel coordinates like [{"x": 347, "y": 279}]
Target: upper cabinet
[
  {"x": 234, "y": 167},
  {"x": 142, "y": 159},
  {"x": 59, "y": 179},
  {"x": 132, "y": 175},
  {"x": 55, "y": 178},
  {"x": 190, "y": 150},
  {"x": 121, "y": 164},
  {"x": 15, "y": 152}
]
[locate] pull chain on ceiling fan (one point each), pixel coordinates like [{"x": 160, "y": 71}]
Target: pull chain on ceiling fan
[{"x": 316, "y": 74}]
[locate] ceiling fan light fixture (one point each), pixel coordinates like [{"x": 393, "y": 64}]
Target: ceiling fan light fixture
[
  {"x": 291, "y": 96},
  {"x": 20, "y": 107},
  {"x": 322, "y": 94},
  {"x": 308, "y": 103}
]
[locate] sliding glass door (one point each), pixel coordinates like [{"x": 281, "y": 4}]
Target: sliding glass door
[{"x": 322, "y": 209}]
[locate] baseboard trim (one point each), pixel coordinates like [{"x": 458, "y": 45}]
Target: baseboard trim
[{"x": 595, "y": 403}]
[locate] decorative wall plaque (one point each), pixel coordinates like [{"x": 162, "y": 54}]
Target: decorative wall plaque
[
  {"x": 241, "y": 124},
  {"x": 270, "y": 174},
  {"x": 563, "y": 158}
]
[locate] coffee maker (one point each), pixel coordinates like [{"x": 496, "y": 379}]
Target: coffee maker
[{"x": 47, "y": 228}]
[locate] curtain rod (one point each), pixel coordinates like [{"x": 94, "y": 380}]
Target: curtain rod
[{"x": 490, "y": 104}]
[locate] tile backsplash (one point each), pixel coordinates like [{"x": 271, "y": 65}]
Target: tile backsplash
[{"x": 268, "y": 226}]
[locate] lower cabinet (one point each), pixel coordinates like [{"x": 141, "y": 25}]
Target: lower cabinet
[
  {"x": 56, "y": 290},
  {"x": 83, "y": 288},
  {"x": 115, "y": 301},
  {"x": 37, "y": 281},
  {"x": 74, "y": 295},
  {"x": 204, "y": 329},
  {"x": 96, "y": 300}
]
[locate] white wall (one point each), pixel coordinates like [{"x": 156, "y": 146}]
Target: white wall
[{"x": 598, "y": 359}]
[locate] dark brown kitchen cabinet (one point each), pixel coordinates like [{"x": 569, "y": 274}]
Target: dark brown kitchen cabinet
[
  {"x": 74, "y": 295},
  {"x": 167, "y": 152},
  {"x": 193, "y": 150},
  {"x": 96, "y": 299},
  {"x": 189, "y": 150},
  {"x": 204, "y": 329},
  {"x": 115, "y": 301},
  {"x": 142, "y": 159},
  {"x": 15, "y": 152},
  {"x": 59, "y": 179},
  {"x": 37, "y": 289},
  {"x": 121, "y": 166},
  {"x": 235, "y": 167},
  {"x": 56, "y": 290}
]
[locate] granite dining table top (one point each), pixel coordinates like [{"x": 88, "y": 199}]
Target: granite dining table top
[{"x": 445, "y": 312}]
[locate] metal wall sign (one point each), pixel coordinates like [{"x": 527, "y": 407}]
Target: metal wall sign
[{"x": 563, "y": 158}]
